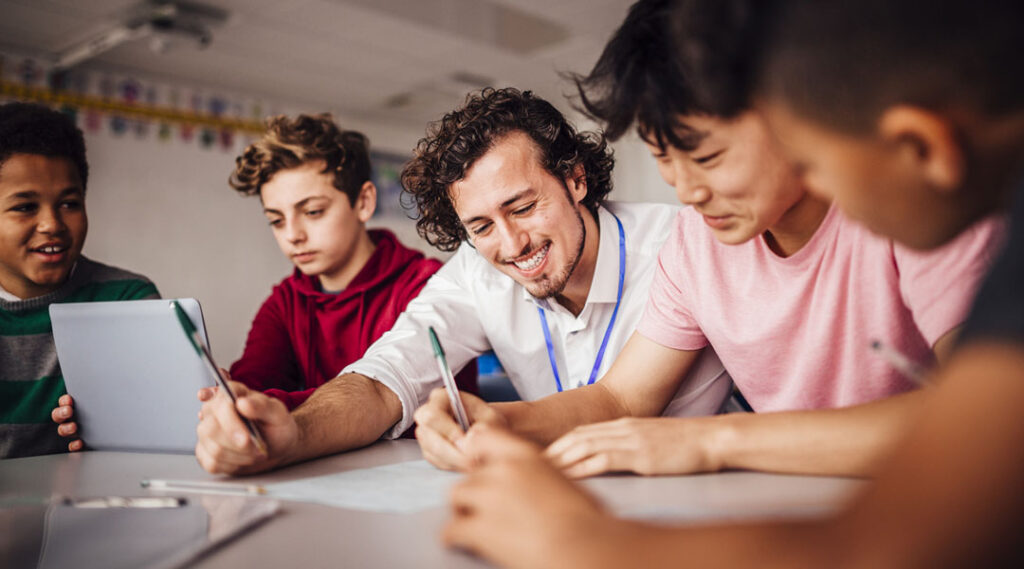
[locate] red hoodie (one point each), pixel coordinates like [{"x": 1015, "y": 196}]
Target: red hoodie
[{"x": 302, "y": 337}]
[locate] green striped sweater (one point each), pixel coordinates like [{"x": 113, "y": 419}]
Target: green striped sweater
[{"x": 30, "y": 377}]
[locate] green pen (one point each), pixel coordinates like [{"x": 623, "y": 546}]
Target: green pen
[
  {"x": 449, "y": 382},
  {"x": 204, "y": 354}
]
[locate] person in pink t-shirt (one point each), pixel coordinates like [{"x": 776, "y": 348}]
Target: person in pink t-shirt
[{"x": 787, "y": 290}]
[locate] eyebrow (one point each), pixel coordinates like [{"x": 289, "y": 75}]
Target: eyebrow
[
  {"x": 504, "y": 204},
  {"x": 296, "y": 205},
  {"x": 32, "y": 194}
]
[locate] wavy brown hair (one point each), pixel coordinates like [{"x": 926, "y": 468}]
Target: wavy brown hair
[
  {"x": 454, "y": 143},
  {"x": 291, "y": 142}
]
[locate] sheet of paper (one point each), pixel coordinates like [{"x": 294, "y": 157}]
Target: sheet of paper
[{"x": 403, "y": 487}]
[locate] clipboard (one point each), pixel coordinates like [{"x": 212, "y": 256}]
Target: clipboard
[{"x": 125, "y": 536}]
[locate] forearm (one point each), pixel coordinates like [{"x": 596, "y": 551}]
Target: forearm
[
  {"x": 844, "y": 442},
  {"x": 347, "y": 412},
  {"x": 544, "y": 420}
]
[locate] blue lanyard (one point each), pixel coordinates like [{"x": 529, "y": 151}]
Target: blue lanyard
[{"x": 611, "y": 323}]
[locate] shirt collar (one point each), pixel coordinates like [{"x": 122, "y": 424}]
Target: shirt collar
[{"x": 605, "y": 285}]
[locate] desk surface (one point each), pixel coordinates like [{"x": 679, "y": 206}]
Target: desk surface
[{"x": 313, "y": 535}]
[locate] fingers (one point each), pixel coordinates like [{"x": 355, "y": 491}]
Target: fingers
[
  {"x": 466, "y": 530},
  {"x": 65, "y": 426},
  {"x": 259, "y": 407},
  {"x": 479, "y": 411},
  {"x": 592, "y": 450},
  {"x": 485, "y": 444},
  {"x": 595, "y": 464},
  {"x": 64, "y": 411},
  {"x": 224, "y": 444},
  {"x": 226, "y": 413},
  {"x": 571, "y": 448},
  {"x": 437, "y": 414},
  {"x": 439, "y": 451},
  {"x": 67, "y": 429},
  {"x": 207, "y": 393},
  {"x": 437, "y": 432}
]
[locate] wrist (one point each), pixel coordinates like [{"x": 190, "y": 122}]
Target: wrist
[
  {"x": 509, "y": 413},
  {"x": 719, "y": 442}
]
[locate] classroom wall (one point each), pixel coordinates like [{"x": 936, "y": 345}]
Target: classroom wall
[
  {"x": 162, "y": 207},
  {"x": 165, "y": 210}
]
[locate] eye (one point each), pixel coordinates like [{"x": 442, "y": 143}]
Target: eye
[
  {"x": 73, "y": 205},
  {"x": 707, "y": 158},
  {"x": 314, "y": 213},
  {"x": 26, "y": 207},
  {"x": 480, "y": 229},
  {"x": 275, "y": 222},
  {"x": 525, "y": 209}
]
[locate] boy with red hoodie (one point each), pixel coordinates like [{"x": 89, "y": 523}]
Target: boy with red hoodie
[{"x": 350, "y": 284}]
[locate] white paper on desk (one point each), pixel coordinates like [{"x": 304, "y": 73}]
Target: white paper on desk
[{"x": 403, "y": 488}]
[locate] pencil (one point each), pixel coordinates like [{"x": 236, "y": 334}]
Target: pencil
[{"x": 201, "y": 487}]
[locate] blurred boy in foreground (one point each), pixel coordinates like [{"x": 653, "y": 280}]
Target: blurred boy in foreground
[{"x": 911, "y": 115}]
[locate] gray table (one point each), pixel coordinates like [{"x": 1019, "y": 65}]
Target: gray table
[{"x": 306, "y": 535}]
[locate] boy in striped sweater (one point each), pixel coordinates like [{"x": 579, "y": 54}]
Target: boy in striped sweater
[{"x": 43, "y": 224}]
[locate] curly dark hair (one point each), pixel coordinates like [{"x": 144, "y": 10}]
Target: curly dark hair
[
  {"x": 670, "y": 58},
  {"x": 454, "y": 143},
  {"x": 28, "y": 128},
  {"x": 292, "y": 142}
]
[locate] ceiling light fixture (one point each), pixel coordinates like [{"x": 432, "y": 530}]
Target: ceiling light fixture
[{"x": 166, "y": 22}]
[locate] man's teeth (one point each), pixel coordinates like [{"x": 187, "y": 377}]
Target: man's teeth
[
  {"x": 51, "y": 249},
  {"x": 534, "y": 261}
]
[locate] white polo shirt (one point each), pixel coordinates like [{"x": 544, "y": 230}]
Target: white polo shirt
[{"x": 475, "y": 308}]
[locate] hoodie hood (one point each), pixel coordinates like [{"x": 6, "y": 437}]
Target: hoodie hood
[{"x": 388, "y": 261}]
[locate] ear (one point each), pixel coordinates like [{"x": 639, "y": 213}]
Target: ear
[
  {"x": 366, "y": 201},
  {"x": 929, "y": 143},
  {"x": 576, "y": 182}
]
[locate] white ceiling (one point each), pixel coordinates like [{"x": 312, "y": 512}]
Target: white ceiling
[{"x": 397, "y": 61}]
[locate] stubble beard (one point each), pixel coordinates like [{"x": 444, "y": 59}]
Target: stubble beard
[{"x": 548, "y": 287}]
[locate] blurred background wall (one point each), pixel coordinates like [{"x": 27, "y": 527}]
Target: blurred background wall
[{"x": 168, "y": 93}]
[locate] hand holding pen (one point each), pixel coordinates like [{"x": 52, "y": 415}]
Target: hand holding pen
[
  {"x": 230, "y": 442},
  {"x": 443, "y": 420},
  {"x": 192, "y": 333},
  {"x": 224, "y": 445}
]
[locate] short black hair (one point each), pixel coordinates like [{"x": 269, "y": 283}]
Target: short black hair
[
  {"x": 843, "y": 63},
  {"x": 29, "y": 128},
  {"x": 670, "y": 58}
]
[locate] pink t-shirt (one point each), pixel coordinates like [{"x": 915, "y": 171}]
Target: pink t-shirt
[{"x": 794, "y": 332}]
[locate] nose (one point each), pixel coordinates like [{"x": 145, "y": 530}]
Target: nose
[
  {"x": 690, "y": 188},
  {"x": 294, "y": 232},
  {"x": 512, "y": 239},
  {"x": 50, "y": 221}
]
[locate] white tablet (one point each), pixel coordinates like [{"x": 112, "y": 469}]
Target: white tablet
[{"x": 132, "y": 373}]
